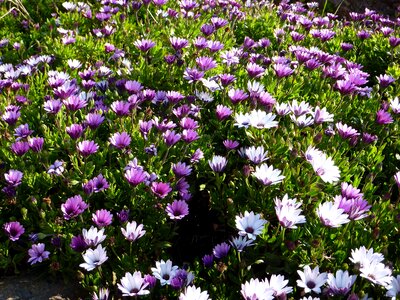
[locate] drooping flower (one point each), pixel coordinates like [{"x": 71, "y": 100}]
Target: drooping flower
[
  {"x": 311, "y": 280},
  {"x": 78, "y": 243},
  {"x": 75, "y": 131},
  {"x": 383, "y": 117},
  {"x": 250, "y": 224},
  {"x": 37, "y": 253},
  {"x": 133, "y": 231},
  {"x": 133, "y": 285},
  {"x": 94, "y": 258}
]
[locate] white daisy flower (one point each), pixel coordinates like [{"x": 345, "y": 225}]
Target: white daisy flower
[{"x": 250, "y": 224}]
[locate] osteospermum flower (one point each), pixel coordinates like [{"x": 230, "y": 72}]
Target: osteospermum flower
[
  {"x": 257, "y": 290},
  {"x": 221, "y": 250},
  {"x": 278, "y": 284},
  {"x": 177, "y": 210},
  {"x": 37, "y": 253},
  {"x": 331, "y": 215},
  {"x": 376, "y": 272},
  {"x": 87, "y": 148},
  {"x": 132, "y": 232},
  {"x": 14, "y": 230},
  {"x": 218, "y": 163},
  {"x": 13, "y": 177},
  {"x": 120, "y": 140},
  {"x": 160, "y": 189},
  {"x": 133, "y": 285},
  {"x": 250, "y": 224},
  {"x": 340, "y": 285},
  {"x": 193, "y": 293},
  {"x": 256, "y": 154},
  {"x": 363, "y": 256},
  {"x": 102, "y": 218},
  {"x": 260, "y": 119},
  {"x": 93, "y": 237},
  {"x": 288, "y": 212},
  {"x": 73, "y": 207},
  {"x": 164, "y": 271},
  {"x": 323, "y": 166},
  {"x": 102, "y": 294},
  {"x": 393, "y": 288},
  {"x": 267, "y": 175},
  {"x": 311, "y": 280},
  {"x": 94, "y": 258},
  {"x": 241, "y": 242}
]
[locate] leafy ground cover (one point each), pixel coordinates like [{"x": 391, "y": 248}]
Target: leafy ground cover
[{"x": 201, "y": 149}]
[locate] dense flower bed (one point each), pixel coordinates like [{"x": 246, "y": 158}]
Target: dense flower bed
[{"x": 214, "y": 149}]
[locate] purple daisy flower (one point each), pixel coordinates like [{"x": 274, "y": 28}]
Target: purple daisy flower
[
  {"x": 20, "y": 148},
  {"x": 102, "y": 218},
  {"x": 136, "y": 176},
  {"x": 121, "y": 108},
  {"x": 171, "y": 138},
  {"x": 144, "y": 45},
  {"x": 181, "y": 169},
  {"x": 87, "y": 148},
  {"x": 78, "y": 243},
  {"x": 120, "y": 140},
  {"x": 22, "y": 131},
  {"x": 223, "y": 112},
  {"x": 193, "y": 75},
  {"x": 13, "y": 177},
  {"x": 230, "y": 145},
  {"x": 221, "y": 250},
  {"x": 37, "y": 253},
  {"x": 73, "y": 207},
  {"x": 208, "y": 260},
  {"x": 383, "y": 117},
  {"x": 75, "y": 131},
  {"x": 160, "y": 189},
  {"x": 177, "y": 210},
  {"x": 36, "y": 144},
  {"x": 93, "y": 120},
  {"x": 14, "y": 230}
]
